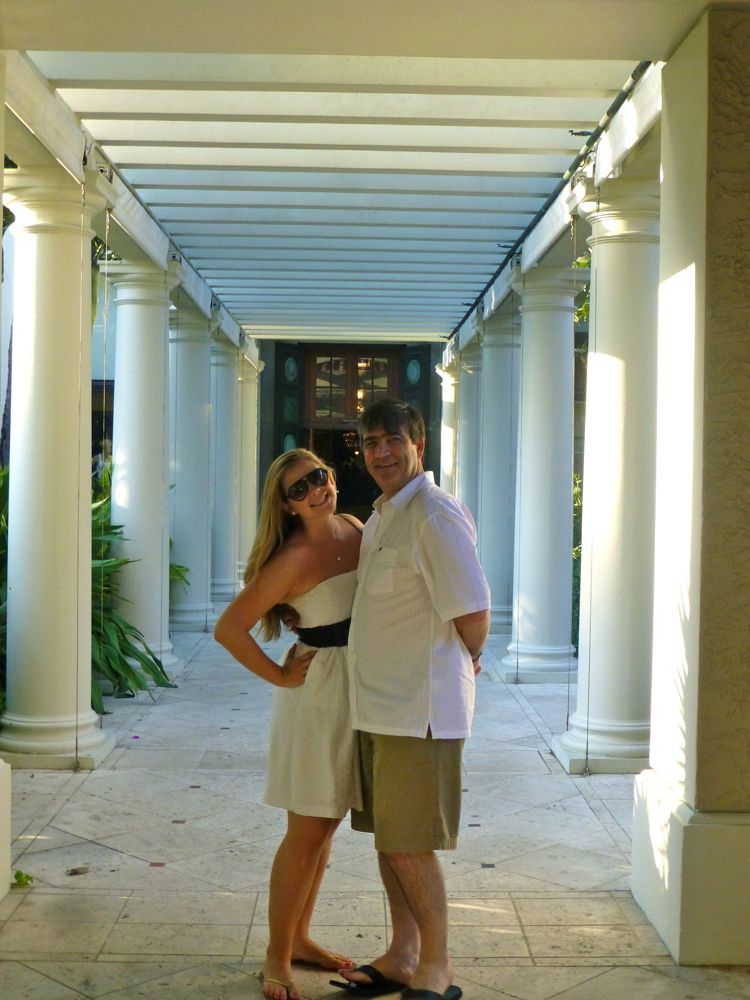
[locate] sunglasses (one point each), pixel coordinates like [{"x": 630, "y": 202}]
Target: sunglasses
[{"x": 299, "y": 489}]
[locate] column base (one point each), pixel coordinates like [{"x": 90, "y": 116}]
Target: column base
[
  {"x": 501, "y": 619},
  {"x": 172, "y": 664},
  {"x": 5, "y": 871},
  {"x": 66, "y": 760},
  {"x": 576, "y": 762},
  {"x": 524, "y": 664},
  {"x": 192, "y": 618},
  {"x": 224, "y": 590},
  {"x": 602, "y": 746},
  {"x": 690, "y": 875}
]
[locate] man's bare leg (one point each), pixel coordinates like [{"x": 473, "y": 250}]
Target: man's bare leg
[
  {"x": 400, "y": 960},
  {"x": 421, "y": 884}
]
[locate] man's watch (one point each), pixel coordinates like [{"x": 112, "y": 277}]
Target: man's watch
[{"x": 477, "y": 657}]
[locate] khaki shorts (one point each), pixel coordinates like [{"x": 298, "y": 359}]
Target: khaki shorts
[{"x": 411, "y": 789}]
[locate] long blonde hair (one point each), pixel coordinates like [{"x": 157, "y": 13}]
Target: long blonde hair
[{"x": 275, "y": 525}]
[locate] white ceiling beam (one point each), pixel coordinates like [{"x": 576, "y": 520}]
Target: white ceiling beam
[
  {"x": 338, "y": 181},
  {"x": 550, "y": 165},
  {"x": 44, "y": 114},
  {"x": 334, "y": 106},
  {"x": 456, "y": 135},
  {"x": 630, "y": 125}
]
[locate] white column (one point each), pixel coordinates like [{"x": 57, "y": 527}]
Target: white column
[
  {"x": 139, "y": 479},
  {"x": 49, "y": 721},
  {"x": 226, "y": 466},
  {"x": 497, "y": 473},
  {"x": 691, "y": 831},
  {"x": 540, "y": 649},
  {"x": 448, "y": 418},
  {"x": 191, "y": 608},
  {"x": 5, "y": 778},
  {"x": 609, "y": 730},
  {"x": 467, "y": 440},
  {"x": 248, "y": 448}
]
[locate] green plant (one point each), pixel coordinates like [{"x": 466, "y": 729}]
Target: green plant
[
  {"x": 119, "y": 651},
  {"x": 21, "y": 879}
]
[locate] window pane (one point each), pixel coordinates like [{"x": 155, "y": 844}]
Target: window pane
[
  {"x": 338, "y": 403},
  {"x": 322, "y": 386}
]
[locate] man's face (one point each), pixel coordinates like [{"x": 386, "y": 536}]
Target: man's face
[{"x": 392, "y": 459}]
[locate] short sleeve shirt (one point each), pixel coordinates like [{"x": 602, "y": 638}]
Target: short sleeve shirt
[{"x": 418, "y": 570}]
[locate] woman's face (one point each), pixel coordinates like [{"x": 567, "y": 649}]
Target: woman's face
[{"x": 319, "y": 499}]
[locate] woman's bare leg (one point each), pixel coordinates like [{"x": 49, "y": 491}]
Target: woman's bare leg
[
  {"x": 296, "y": 876},
  {"x": 293, "y": 874},
  {"x": 304, "y": 949}
]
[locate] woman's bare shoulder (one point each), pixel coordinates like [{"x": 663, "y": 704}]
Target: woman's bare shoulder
[{"x": 352, "y": 520}]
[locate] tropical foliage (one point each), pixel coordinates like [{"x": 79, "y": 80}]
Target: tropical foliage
[{"x": 119, "y": 652}]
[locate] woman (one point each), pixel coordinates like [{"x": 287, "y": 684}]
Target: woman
[{"x": 302, "y": 566}]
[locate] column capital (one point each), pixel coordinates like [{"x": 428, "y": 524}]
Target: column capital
[
  {"x": 449, "y": 373},
  {"x": 470, "y": 358},
  {"x": 47, "y": 198},
  {"x": 551, "y": 289},
  {"x": 141, "y": 282},
  {"x": 249, "y": 372},
  {"x": 622, "y": 209}
]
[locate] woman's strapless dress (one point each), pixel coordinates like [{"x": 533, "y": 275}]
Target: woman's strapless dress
[{"x": 313, "y": 766}]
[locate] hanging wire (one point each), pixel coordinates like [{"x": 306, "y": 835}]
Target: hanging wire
[
  {"x": 574, "y": 254},
  {"x": 84, "y": 262},
  {"x": 237, "y": 438},
  {"x": 104, "y": 275},
  {"x": 210, "y": 504},
  {"x": 169, "y": 449},
  {"x": 517, "y": 518}
]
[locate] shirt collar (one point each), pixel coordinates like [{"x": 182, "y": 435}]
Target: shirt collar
[{"x": 406, "y": 493}]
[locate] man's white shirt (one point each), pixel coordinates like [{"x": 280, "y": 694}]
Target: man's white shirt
[{"x": 418, "y": 570}]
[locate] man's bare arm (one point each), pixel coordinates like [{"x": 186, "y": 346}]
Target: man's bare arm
[{"x": 474, "y": 629}]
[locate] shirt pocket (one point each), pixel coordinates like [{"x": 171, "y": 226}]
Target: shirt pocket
[{"x": 379, "y": 579}]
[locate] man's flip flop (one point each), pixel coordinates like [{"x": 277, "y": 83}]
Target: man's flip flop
[
  {"x": 452, "y": 993},
  {"x": 378, "y": 986}
]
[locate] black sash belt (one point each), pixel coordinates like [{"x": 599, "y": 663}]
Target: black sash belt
[{"x": 326, "y": 635}]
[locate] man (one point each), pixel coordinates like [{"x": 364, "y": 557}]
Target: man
[{"x": 419, "y": 622}]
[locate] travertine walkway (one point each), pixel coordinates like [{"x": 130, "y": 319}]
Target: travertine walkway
[{"x": 150, "y": 872}]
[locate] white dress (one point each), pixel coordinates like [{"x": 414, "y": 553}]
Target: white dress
[{"x": 313, "y": 766}]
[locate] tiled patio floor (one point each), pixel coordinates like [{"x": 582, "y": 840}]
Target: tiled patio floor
[{"x": 150, "y": 873}]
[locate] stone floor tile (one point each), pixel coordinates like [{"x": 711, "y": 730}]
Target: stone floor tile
[
  {"x": 524, "y": 983},
  {"x": 166, "y": 940},
  {"x": 26, "y": 937},
  {"x": 191, "y": 908},
  {"x": 75, "y": 907},
  {"x": 601, "y": 941},
  {"x": 496, "y": 878},
  {"x": 243, "y": 867},
  {"x": 352, "y": 940},
  {"x": 645, "y": 984},
  {"x": 505, "y": 761},
  {"x": 164, "y": 759},
  {"x": 487, "y": 941},
  {"x": 580, "y": 910},
  {"x": 18, "y": 982},
  {"x": 97, "y": 979},
  {"x": 728, "y": 983},
  {"x": 476, "y": 911},
  {"x": 337, "y": 909},
  {"x": 203, "y": 981},
  {"x": 571, "y": 867}
]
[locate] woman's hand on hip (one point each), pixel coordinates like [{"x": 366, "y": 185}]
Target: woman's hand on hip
[{"x": 295, "y": 668}]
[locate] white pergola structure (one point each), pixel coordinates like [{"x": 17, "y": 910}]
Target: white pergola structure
[{"x": 399, "y": 172}]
